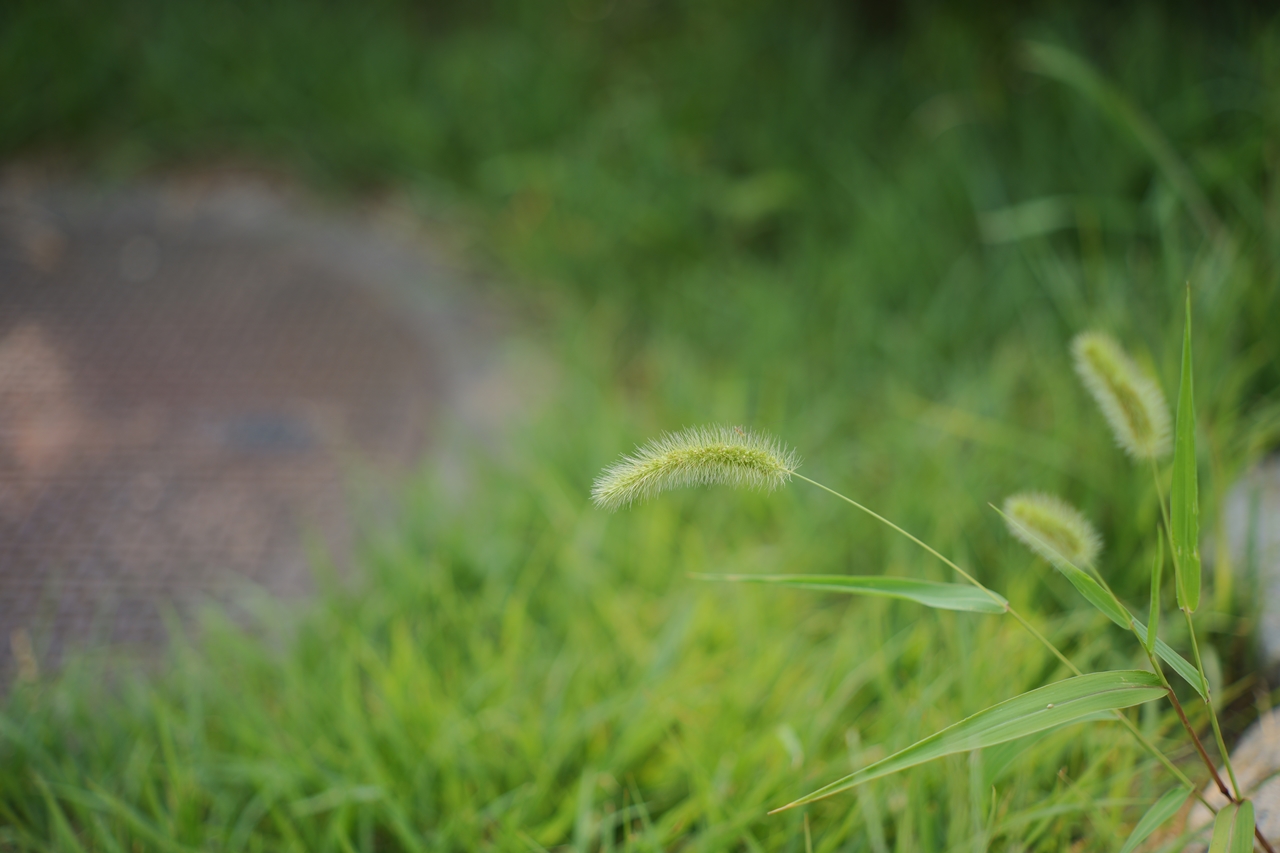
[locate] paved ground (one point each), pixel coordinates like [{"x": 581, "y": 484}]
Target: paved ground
[{"x": 191, "y": 375}]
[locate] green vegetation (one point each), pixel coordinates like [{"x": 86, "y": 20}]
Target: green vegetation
[
  {"x": 875, "y": 245},
  {"x": 1052, "y": 529}
]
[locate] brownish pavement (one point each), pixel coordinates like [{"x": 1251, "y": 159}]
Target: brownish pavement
[{"x": 191, "y": 374}]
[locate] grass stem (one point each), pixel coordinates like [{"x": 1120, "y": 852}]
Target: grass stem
[
  {"x": 1177, "y": 705},
  {"x": 1213, "y": 716},
  {"x": 1195, "y": 648},
  {"x": 1031, "y": 629}
]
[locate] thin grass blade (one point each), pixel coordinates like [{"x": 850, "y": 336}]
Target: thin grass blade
[
  {"x": 1184, "y": 503},
  {"x": 941, "y": 596},
  {"x": 1242, "y": 831},
  {"x": 1163, "y": 809},
  {"x": 1068, "y": 68},
  {"x": 1223, "y": 827},
  {"x": 1043, "y": 708},
  {"x": 62, "y": 830},
  {"x": 1157, "y": 572},
  {"x": 1177, "y": 662}
]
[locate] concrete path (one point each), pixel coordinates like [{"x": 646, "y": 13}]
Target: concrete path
[{"x": 191, "y": 373}]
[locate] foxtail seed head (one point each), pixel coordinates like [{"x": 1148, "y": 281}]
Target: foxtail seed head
[
  {"x": 701, "y": 456},
  {"x": 1131, "y": 401},
  {"x": 1052, "y": 528}
]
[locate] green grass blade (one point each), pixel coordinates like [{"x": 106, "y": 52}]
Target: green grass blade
[
  {"x": 1157, "y": 572},
  {"x": 1184, "y": 503},
  {"x": 942, "y": 596},
  {"x": 1066, "y": 67},
  {"x": 1242, "y": 831},
  {"x": 1092, "y": 591},
  {"x": 1180, "y": 665},
  {"x": 1044, "y": 708},
  {"x": 1163, "y": 809},
  {"x": 1233, "y": 829},
  {"x": 1223, "y": 825},
  {"x": 62, "y": 831},
  {"x": 1096, "y": 595}
]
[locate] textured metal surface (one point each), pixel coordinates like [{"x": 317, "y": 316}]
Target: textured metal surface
[{"x": 188, "y": 376}]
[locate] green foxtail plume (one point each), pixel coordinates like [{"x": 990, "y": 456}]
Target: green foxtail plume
[
  {"x": 1052, "y": 528},
  {"x": 701, "y": 456},
  {"x": 1131, "y": 401}
]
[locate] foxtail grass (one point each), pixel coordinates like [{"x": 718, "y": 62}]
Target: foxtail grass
[
  {"x": 1130, "y": 400},
  {"x": 700, "y": 456},
  {"x": 1052, "y": 528},
  {"x": 734, "y": 457},
  {"x": 1135, "y": 408}
]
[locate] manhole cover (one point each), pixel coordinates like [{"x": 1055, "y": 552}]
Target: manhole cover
[{"x": 187, "y": 375}]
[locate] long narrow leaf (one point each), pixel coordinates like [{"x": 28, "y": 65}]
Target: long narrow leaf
[
  {"x": 943, "y": 596},
  {"x": 1242, "y": 832},
  {"x": 1223, "y": 826},
  {"x": 1044, "y": 708},
  {"x": 1233, "y": 829},
  {"x": 1177, "y": 662},
  {"x": 1163, "y": 809},
  {"x": 1184, "y": 503},
  {"x": 1157, "y": 572},
  {"x": 1110, "y": 606},
  {"x": 1066, "y": 67},
  {"x": 1092, "y": 591}
]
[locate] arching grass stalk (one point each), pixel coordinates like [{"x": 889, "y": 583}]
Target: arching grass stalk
[
  {"x": 1055, "y": 522},
  {"x": 1155, "y": 751},
  {"x": 1134, "y": 407},
  {"x": 1059, "y": 533},
  {"x": 738, "y": 457}
]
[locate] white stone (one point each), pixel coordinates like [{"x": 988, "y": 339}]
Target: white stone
[
  {"x": 1251, "y": 522},
  {"x": 1256, "y": 760}
]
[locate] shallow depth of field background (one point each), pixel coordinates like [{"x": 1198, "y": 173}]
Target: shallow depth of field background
[{"x": 869, "y": 229}]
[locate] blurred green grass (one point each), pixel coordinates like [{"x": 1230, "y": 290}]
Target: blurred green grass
[{"x": 872, "y": 243}]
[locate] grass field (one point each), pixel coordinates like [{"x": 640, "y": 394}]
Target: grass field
[{"x": 874, "y": 243}]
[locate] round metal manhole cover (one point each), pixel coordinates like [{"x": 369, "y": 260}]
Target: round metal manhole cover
[{"x": 186, "y": 378}]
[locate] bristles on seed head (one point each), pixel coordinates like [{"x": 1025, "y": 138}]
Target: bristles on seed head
[
  {"x": 1052, "y": 528},
  {"x": 1131, "y": 401},
  {"x": 701, "y": 456}
]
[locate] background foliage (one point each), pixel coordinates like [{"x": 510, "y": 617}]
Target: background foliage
[{"x": 870, "y": 229}]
